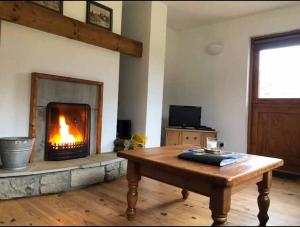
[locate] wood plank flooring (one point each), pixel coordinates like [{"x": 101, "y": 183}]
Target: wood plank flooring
[{"x": 159, "y": 204}]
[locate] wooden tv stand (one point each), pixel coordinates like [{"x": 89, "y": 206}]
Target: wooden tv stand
[{"x": 175, "y": 136}]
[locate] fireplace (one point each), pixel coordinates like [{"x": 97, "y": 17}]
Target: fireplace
[{"x": 67, "y": 131}]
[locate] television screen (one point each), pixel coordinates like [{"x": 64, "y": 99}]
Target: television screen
[{"x": 184, "y": 116}]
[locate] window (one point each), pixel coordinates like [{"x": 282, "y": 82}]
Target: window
[{"x": 279, "y": 72}]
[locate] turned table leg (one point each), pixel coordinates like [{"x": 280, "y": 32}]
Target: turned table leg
[
  {"x": 185, "y": 194},
  {"x": 219, "y": 205},
  {"x": 263, "y": 199},
  {"x": 133, "y": 178}
]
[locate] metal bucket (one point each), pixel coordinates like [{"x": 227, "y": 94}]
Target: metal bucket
[{"x": 15, "y": 152}]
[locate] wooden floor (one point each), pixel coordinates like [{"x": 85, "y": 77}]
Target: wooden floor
[{"x": 159, "y": 204}]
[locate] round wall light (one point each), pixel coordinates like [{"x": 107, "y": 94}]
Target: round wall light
[{"x": 214, "y": 48}]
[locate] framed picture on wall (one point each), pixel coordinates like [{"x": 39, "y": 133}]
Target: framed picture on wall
[
  {"x": 56, "y": 6},
  {"x": 100, "y": 15}
]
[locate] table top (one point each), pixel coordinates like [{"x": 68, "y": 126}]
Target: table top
[{"x": 166, "y": 157}]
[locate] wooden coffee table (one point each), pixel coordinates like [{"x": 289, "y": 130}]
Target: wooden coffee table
[{"x": 217, "y": 183}]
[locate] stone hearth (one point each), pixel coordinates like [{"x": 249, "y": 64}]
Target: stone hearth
[
  {"x": 42, "y": 178},
  {"x": 77, "y": 103}
]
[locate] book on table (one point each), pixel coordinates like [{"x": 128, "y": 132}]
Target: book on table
[{"x": 212, "y": 158}]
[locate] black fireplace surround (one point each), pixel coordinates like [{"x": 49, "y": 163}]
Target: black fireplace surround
[{"x": 67, "y": 131}]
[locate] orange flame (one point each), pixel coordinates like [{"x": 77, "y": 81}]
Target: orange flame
[{"x": 64, "y": 136}]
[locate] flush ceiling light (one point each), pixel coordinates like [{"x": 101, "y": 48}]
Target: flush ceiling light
[{"x": 214, "y": 48}]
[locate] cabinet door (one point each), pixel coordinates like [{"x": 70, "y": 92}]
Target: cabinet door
[
  {"x": 191, "y": 138},
  {"x": 173, "y": 138},
  {"x": 205, "y": 135}
]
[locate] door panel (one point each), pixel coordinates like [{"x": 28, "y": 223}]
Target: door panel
[
  {"x": 278, "y": 137},
  {"x": 173, "y": 138},
  {"x": 191, "y": 138}
]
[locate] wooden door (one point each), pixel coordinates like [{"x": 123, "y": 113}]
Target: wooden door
[
  {"x": 274, "y": 111},
  {"x": 173, "y": 137}
]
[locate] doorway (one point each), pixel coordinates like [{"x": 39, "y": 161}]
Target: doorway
[{"x": 274, "y": 98}]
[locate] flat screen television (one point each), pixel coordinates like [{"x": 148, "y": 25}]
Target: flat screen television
[{"x": 184, "y": 116}]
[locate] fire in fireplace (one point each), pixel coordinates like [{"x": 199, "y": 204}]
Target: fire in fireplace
[{"x": 67, "y": 131}]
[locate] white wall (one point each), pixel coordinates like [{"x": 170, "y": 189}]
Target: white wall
[
  {"x": 141, "y": 80},
  {"x": 156, "y": 73},
  {"x": 24, "y": 50},
  {"x": 220, "y": 83},
  {"x": 170, "y": 85},
  {"x": 133, "y": 71}
]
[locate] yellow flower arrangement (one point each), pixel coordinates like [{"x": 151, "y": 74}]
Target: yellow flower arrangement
[{"x": 139, "y": 140}]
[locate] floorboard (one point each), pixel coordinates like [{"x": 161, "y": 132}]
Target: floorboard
[{"x": 159, "y": 204}]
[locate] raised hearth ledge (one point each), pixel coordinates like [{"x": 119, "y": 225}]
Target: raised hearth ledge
[
  {"x": 52, "y": 177},
  {"x": 41, "y": 167}
]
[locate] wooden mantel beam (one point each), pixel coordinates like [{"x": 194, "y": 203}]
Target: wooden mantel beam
[{"x": 33, "y": 16}]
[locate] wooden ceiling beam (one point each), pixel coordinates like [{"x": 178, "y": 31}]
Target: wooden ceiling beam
[{"x": 34, "y": 16}]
